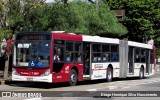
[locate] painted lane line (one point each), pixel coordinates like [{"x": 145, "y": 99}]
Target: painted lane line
[
  {"x": 33, "y": 99},
  {"x": 126, "y": 87},
  {"x": 91, "y": 90},
  {"x": 112, "y": 87}
]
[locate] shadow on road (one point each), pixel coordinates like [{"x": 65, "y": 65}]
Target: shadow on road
[{"x": 57, "y": 85}]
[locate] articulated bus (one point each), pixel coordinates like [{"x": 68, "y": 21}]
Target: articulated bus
[{"x": 56, "y": 56}]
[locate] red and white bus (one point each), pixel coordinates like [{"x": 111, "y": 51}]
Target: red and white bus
[{"x": 66, "y": 57}]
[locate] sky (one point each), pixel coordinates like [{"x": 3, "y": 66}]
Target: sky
[{"x": 49, "y": 1}]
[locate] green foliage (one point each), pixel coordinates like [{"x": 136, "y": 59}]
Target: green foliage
[
  {"x": 13, "y": 15},
  {"x": 142, "y": 18},
  {"x": 76, "y": 17},
  {"x": 98, "y": 22},
  {"x": 4, "y": 34},
  {"x": 158, "y": 52}
]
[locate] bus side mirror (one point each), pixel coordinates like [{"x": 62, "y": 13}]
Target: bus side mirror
[{"x": 9, "y": 46}]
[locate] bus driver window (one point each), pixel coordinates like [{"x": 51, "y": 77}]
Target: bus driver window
[{"x": 57, "y": 52}]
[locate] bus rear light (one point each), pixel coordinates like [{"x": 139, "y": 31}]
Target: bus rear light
[
  {"x": 46, "y": 73},
  {"x": 15, "y": 72}
]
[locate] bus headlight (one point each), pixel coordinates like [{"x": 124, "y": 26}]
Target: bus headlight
[
  {"x": 46, "y": 73},
  {"x": 15, "y": 72}
]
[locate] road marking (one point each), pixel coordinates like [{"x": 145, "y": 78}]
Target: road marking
[
  {"x": 126, "y": 87},
  {"x": 91, "y": 90},
  {"x": 141, "y": 82},
  {"x": 127, "y": 84},
  {"x": 112, "y": 87},
  {"x": 67, "y": 94},
  {"x": 33, "y": 99},
  {"x": 136, "y": 82},
  {"x": 147, "y": 82}
]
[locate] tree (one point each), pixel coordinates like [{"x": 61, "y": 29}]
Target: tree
[
  {"x": 13, "y": 14},
  {"x": 76, "y": 17},
  {"x": 142, "y": 18}
]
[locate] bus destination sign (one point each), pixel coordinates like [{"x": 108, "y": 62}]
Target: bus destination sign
[{"x": 34, "y": 37}]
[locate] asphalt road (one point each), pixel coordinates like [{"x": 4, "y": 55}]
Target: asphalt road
[{"x": 85, "y": 89}]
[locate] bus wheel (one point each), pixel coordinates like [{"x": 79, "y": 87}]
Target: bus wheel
[
  {"x": 73, "y": 77},
  {"x": 109, "y": 74},
  {"x": 141, "y": 73}
]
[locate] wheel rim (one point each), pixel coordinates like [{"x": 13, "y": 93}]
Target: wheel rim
[
  {"x": 109, "y": 75},
  {"x": 141, "y": 74},
  {"x": 73, "y": 78}
]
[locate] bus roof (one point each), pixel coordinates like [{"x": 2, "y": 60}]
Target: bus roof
[
  {"x": 89, "y": 38},
  {"x": 67, "y": 36},
  {"x": 141, "y": 45},
  {"x": 99, "y": 39}
]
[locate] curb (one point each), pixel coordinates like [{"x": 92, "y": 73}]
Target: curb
[{"x": 3, "y": 81}]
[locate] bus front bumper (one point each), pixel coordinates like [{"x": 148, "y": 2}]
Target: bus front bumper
[{"x": 32, "y": 78}]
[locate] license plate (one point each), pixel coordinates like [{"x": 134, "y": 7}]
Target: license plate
[{"x": 29, "y": 79}]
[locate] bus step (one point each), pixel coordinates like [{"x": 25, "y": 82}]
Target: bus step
[{"x": 86, "y": 77}]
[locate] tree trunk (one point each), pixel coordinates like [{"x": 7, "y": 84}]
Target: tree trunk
[{"x": 6, "y": 68}]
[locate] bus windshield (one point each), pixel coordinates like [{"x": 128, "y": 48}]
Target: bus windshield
[{"x": 32, "y": 54}]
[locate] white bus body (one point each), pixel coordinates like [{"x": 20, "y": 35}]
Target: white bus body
[{"x": 123, "y": 67}]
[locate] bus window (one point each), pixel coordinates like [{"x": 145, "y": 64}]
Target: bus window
[
  {"x": 37, "y": 52},
  {"x": 97, "y": 51},
  {"x": 106, "y": 53},
  {"x": 138, "y": 55},
  {"x": 114, "y": 53},
  {"x": 96, "y": 48},
  {"x": 78, "y": 52},
  {"x": 69, "y": 51},
  {"x": 58, "y": 54},
  {"x": 106, "y": 57},
  {"x": 58, "y": 51},
  {"x": 22, "y": 55},
  {"x": 143, "y": 56}
]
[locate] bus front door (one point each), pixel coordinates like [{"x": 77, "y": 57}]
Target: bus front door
[
  {"x": 131, "y": 60},
  {"x": 147, "y": 61},
  {"x": 86, "y": 49}
]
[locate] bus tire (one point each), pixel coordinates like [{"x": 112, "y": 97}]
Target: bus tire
[
  {"x": 109, "y": 75},
  {"x": 141, "y": 73},
  {"x": 73, "y": 78}
]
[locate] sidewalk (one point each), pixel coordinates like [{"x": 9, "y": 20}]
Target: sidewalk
[
  {"x": 157, "y": 67},
  {"x": 2, "y": 80}
]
